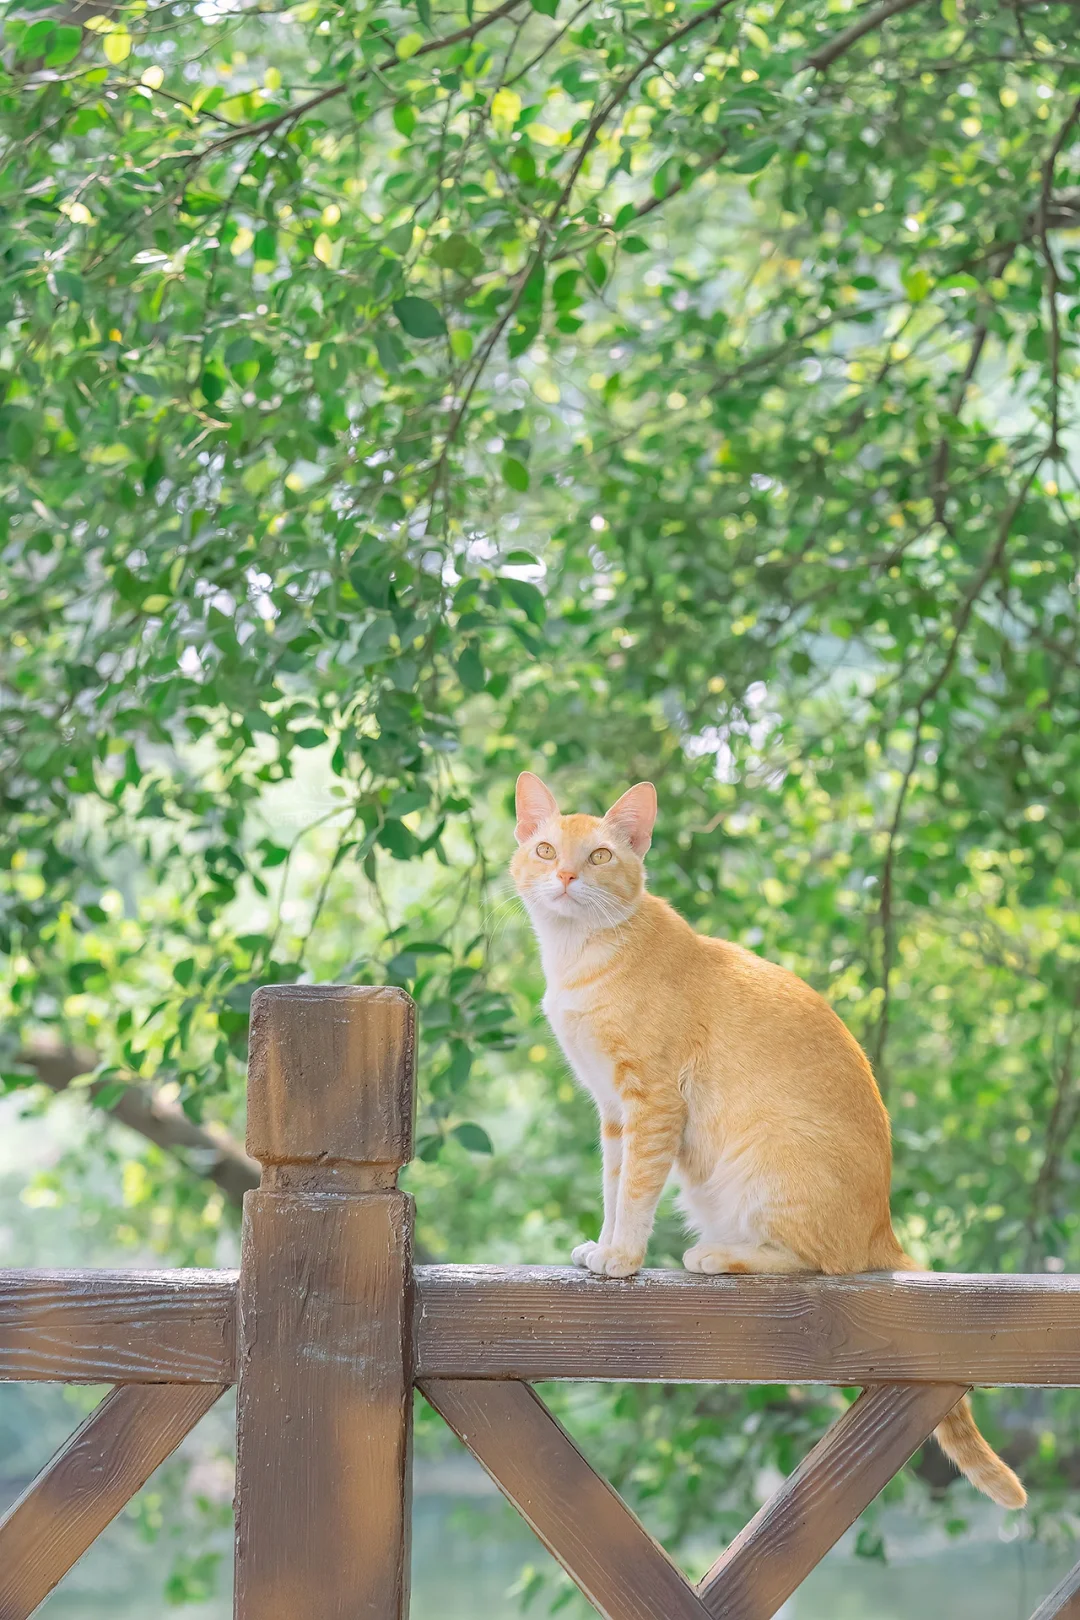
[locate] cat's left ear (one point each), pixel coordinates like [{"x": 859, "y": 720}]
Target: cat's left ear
[
  {"x": 634, "y": 815},
  {"x": 535, "y": 804}
]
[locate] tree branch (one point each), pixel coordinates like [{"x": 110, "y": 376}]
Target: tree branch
[
  {"x": 960, "y": 620},
  {"x": 290, "y": 114},
  {"x": 592, "y": 134},
  {"x": 828, "y": 53},
  {"x": 219, "y": 1158},
  {"x": 1042, "y": 230},
  {"x": 939, "y": 482}
]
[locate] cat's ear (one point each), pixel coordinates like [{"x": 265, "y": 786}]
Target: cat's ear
[
  {"x": 633, "y": 815},
  {"x": 535, "y": 805}
]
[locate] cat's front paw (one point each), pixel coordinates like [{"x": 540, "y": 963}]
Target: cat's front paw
[
  {"x": 607, "y": 1260},
  {"x": 713, "y": 1260}
]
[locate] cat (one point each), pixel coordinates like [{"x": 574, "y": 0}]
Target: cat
[{"x": 710, "y": 1062}]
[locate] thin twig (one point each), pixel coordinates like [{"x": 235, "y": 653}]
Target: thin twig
[
  {"x": 1042, "y": 230},
  {"x": 291, "y": 114},
  {"x": 828, "y": 53},
  {"x": 959, "y": 625},
  {"x": 549, "y": 45},
  {"x": 591, "y": 136}
]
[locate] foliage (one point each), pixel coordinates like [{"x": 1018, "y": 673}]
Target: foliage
[{"x": 396, "y": 397}]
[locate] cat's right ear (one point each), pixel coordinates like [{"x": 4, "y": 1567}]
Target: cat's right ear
[{"x": 535, "y": 804}]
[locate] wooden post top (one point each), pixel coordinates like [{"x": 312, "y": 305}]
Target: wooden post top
[{"x": 331, "y": 1071}]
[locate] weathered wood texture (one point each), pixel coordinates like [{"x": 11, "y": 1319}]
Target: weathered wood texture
[
  {"x": 86, "y": 1484},
  {"x": 579, "y": 1518},
  {"x": 102, "y": 1327},
  {"x": 1064, "y": 1601},
  {"x": 107, "y": 1327},
  {"x": 533, "y": 1323},
  {"x": 325, "y": 1371},
  {"x": 823, "y": 1497},
  {"x": 330, "y": 1075}
]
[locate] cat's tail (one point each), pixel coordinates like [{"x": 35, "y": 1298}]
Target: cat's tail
[
  {"x": 958, "y": 1435},
  {"x": 962, "y": 1443}
]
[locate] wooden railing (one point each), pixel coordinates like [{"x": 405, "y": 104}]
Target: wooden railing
[{"x": 327, "y": 1328}]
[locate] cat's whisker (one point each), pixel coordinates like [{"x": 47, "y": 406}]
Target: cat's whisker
[{"x": 496, "y": 918}]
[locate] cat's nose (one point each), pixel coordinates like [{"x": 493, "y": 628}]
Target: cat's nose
[{"x": 566, "y": 878}]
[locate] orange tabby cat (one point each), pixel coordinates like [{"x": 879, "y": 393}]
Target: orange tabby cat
[{"x": 706, "y": 1061}]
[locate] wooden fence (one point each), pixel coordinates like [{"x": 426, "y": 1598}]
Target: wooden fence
[{"x": 328, "y": 1327}]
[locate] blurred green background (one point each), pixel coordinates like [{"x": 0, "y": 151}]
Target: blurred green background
[{"x": 393, "y": 397}]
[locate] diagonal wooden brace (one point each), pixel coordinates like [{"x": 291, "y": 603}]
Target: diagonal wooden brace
[
  {"x": 1064, "y": 1601},
  {"x": 87, "y": 1483},
  {"x": 581, "y": 1520},
  {"x": 823, "y": 1497}
]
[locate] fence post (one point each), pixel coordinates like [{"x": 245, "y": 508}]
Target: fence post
[{"x": 324, "y": 1402}]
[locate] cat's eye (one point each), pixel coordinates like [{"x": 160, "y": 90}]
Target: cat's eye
[
  {"x": 546, "y": 852},
  {"x": 600, "y": 857}
]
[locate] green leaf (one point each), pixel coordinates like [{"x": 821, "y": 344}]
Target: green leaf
[
  {"x": 396, "y": 838},
  {"x": 527, "y": 597},
  {"x": 419, "y": 317},
  {"x": 470, "y": 670},
  {"x": 474, "y": 1137},
  {"x": 404, "y": 121},
  {"x": 460, "y": 1066},
  {"x": 63, "y": 45},
  {"x": 16, "y": 1080},
  {"x": 753, "y": 158},
  {"x": 107, "y": 1096},
  {"x": 456, "y": 252},
  {"x": 515, "y": 472},
  {"x": 80, "y": 974},
  {"x": 213, "y": 384},
  {"x": 184, "y": 972},
  {"x": 916, "y": 284}
]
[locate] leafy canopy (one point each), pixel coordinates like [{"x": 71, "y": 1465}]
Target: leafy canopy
[{"x": 396, "y": 396}]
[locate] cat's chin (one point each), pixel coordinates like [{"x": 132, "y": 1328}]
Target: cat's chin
[{"x": 559, "y": 912}]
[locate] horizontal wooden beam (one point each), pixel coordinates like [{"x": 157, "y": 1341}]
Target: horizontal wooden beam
[
  {"x": 532, "y": 1323},
  {"x": 535, "y": 1323},
  {"x": 116, "y": 1327}
]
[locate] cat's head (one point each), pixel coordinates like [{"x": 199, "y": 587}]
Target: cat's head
[{"x": 584, "y": 870}]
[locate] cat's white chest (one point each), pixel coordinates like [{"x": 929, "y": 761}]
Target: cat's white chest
[{"x": 593, "y": 1069}]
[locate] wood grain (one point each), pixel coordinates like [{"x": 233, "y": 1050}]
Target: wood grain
[
  {"x": 106, "y": 1327},
  {"x": 86, "y": 1484},
  {"x": 824, "y": 1496},
  {"x": 324, "y": 1408},
  {"x": 535, "y": 1323},
  {"x": 581, "y": 1520},
  {"x": 524, "y": 1322},
  {"x": 1064, "y": 1601},
  {"x": 331, "y": 1073}
]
